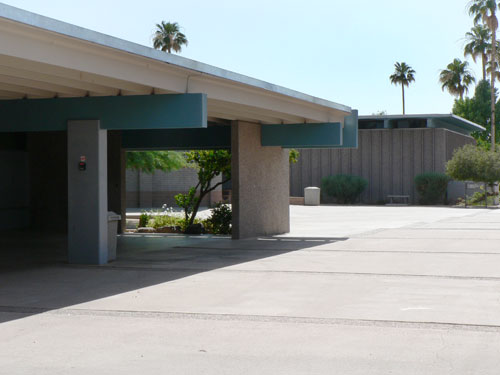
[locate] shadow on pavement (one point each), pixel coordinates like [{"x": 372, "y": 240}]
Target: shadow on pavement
[{"x": 36, "y": 278}]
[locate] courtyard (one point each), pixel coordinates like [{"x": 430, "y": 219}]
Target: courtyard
[{"x": 358, "y": 290}]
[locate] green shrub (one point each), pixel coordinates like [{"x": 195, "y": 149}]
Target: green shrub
[
  {"x": 158, "y": 221},
  {"x": 478, "y": 198},
  {"x": 220, "y": 220},
  {"x": 471, "y": 163},
  {"x": 431, "y": 187},
  {"x": 344, "y": 188},
  {"x": 144, "y": 219}
]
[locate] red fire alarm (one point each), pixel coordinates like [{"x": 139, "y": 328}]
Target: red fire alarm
[{"x": 82, "y": 165}]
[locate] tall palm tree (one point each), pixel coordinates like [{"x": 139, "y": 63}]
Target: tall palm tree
[
  {"x": 456, "y": 78},
  {"x": 403, "y": 75},
  {"x": 478, "y": 45},
  {"x": 493, "y": 69},
  {"x": 168, "y": 37},
  {"x": 485, "y": 11}
]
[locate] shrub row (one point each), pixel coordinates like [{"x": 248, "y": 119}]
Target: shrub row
[{"x": 346, "y": 189}]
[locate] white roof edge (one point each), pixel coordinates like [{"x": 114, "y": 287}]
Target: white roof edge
[
  {"x": 424, "y": 115},
  {"x": 70, "y": 30}
]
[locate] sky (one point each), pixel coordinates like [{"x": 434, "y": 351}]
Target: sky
[{"x": 343, "y": 51}]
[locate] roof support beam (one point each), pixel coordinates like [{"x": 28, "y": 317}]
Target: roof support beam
[
  {"x": 114, "y": 112},
  {"x": 323, "y": 135},
  {"x": 213, "y": 137},
  {"x": 302, "y": 135}
]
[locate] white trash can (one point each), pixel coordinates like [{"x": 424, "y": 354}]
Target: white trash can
[
  {"x": 113, "y": 219},
  {"x": 312, "y": 196}
]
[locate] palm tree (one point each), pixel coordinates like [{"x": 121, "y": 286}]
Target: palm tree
[
  {"x": 403, "y": 75},
  {"x": 493, "y": 70},
  {"x": 485, "y": 11},
  {"x": 456, "y": 78},
  {"x": 478, "y": 45},
  {"x": 168, "y": 37}
]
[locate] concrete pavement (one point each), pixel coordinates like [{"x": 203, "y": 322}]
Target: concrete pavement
[{"x": 351, "y": 290}]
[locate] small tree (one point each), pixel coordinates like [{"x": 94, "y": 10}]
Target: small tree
[
  {"x": 471, "y": 163},
  {"x": 210, "y": 164}
]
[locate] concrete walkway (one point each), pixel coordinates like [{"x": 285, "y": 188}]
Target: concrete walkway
[{"x": 352, "y": 290}]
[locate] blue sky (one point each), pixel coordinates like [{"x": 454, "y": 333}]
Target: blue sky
[{"x": 342, "y": 51}]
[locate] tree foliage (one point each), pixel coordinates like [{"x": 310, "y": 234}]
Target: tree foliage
[
  {"x": 478, "y": 45},
  {"x": 149, "y": 161},
  {"x": 470, "y": 163},
  {"x": 478, "y": 109},
  {"x": 485, "y": 12},
  {"x": 210, "y": 164},
  {"x": 403, "y": 75},
  {"x": 293, "y": 156},
  {"x": 168, "y": 37},
  {"x": 456, "y": 78}
]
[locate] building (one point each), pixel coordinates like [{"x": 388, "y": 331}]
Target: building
[
  {"x": 74, "y": 100},
  {"x": 392, "y": 150}
]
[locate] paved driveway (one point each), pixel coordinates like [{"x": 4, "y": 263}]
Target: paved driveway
[{"x": 352, "y": 290}]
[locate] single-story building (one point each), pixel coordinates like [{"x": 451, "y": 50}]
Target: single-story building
[
  {"x": 74, "y": 100},
  {"x": 392, "y": 150}
]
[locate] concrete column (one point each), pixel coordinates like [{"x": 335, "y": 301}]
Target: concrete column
[
  {"x": 87, "y": 193},
  {"x": 387, "y": 124},
  {"x": 260, "y": 184},
  {"x": 117, "y": 198}
]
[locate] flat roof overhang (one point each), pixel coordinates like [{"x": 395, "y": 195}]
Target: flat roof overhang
[
  {"x": 44, "y": 58},
  {"x": 451, "y": 121}
]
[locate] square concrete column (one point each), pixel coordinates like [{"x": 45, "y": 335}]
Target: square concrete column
[
  {"x": 87, "y": 193},
  {"x": 260, "y": 184}
]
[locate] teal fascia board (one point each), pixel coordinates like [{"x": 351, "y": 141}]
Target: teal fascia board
[
  {"x": 350, "y": 132},
  {"x": 170, "y": 111},
  {"x": 302, "y": 135},
  {"x": 213, "y": 137}
]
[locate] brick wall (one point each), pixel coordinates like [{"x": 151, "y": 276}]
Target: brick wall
[{"x": 153, "y": 190}]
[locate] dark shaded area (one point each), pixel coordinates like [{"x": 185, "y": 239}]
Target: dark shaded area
[
  {"x": 36, "y": 278},
  {"x": 48, "y": 180}
]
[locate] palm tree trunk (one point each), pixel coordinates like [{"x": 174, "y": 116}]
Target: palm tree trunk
[
  {"x": 493, "y": 78},
  {"x": 403, "y": 90},
  {"x": 485, "y": 61}
]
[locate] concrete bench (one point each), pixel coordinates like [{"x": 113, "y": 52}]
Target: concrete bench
[{"x": 405, "y": 199}]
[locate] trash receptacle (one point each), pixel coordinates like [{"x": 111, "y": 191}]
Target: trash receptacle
[
  {"x": 113, "y": 219},
  {"x": 311, "y": 196}
]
